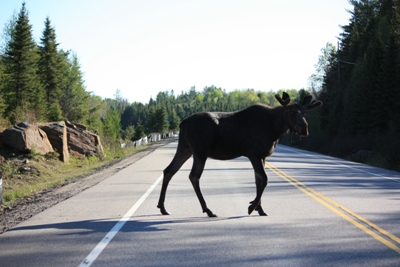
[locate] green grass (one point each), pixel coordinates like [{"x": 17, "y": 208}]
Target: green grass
[{"x": 50, "y": 172}]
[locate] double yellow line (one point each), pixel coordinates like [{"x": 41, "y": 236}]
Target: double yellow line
[{"x": 368, "y": 227}]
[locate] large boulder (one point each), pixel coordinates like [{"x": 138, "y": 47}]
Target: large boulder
[
  {"x": 57, "y": 135},
  {"x": 82, "y": 141},
  {"x": 25, "y": 137}
]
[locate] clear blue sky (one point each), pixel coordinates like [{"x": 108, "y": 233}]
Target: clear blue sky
[{"x": 142, "y": 47}]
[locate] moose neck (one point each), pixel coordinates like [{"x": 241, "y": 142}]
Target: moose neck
[{"x": 280, "y": 123}]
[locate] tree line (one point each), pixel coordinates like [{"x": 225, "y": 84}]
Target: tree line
[
  {"x": 359, "y": 83},
  {"x": 165, "y": 112}
]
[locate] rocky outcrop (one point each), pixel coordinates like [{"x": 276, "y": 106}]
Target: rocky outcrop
[
  {"x": 57, "y": 135},
  {"x": 82, "y": 141},
  {"x": 64, "y": 137},
  {"x": 25, "y": 137}
]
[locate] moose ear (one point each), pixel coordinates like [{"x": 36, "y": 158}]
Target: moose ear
[
  {"x": 306, "y": 100},
  {"x": 285, "y": 96},
  {"x": 280, "y": 100},
  {"x": 314, "y": 104}
]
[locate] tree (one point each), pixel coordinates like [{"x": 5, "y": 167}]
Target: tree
[
  {"x": 127, "y": 117},
  {"x": 121, "y": 103},
  {"x": 157, "y": 121},
  {"x": 94, "y": 119},
  {"x": 112, "y": 125},
  {"x": 50, "y": 66},
  {"x": 139, "y": 131},
  {"x": 130, "y": 133},
  {"x": 161, "y": 120},
  {"x": 74, "y": 98},
  {"x": 8, "y": 32},
  {"x": 23, "y": 91},
  {"x": 174, "y": 121},
  {"x": 325, "y": 61}
]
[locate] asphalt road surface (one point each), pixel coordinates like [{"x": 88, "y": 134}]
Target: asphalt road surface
[{"x": 322, "y": 212}]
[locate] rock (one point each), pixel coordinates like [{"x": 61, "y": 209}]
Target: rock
[
  {"x": 57, "y": 135},
  {"x": 25, "y": 137},
  {"x": 82, "y": 141}
]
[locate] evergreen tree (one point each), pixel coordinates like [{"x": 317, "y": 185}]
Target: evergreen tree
[
  {"x": 174, "y": 121},
  {"x": 157, "y": 122},
  {"x": 151, "y": 121},
  {"x": 74, "y": 98},
  {"x": 121, "y": 103},
  {"x": 50, "y": 66},
  {"x": 127, "y": 117},
  {"x": 23, "y": 90},
  {"x": 161, "y": 120},
  {"x": 94, "y": 119},
  {"x": 8, "y": 32},
  {"x": 139, "y": 131},
  {"x": 130, "y": 133},
  {"x": 112, "y": 124},
  {"x": 2, "y": 92}
]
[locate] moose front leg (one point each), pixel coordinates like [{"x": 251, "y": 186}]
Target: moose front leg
[
  {"x": 261, "y": 183},
  {"x": 260, "y": 210},
  {"x": 194, "y": 176}
]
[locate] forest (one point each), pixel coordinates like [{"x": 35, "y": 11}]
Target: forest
[{"x": 357, "y": 79}]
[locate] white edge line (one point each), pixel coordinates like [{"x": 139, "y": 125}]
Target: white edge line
[
  {"x": 117, "y": 227},
  {"x": 340, "y": 164}
]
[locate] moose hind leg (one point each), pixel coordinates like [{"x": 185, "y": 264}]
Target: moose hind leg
[{"x": 194, "y": 176}]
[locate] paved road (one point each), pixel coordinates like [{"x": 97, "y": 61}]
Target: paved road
[{"x": 322, "y": 212}]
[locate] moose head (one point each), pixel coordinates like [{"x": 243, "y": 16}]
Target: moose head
[{"x": 295, "y": 112}]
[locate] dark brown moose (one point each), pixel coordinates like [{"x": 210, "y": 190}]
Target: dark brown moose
[{"x": 253, "y": 132}]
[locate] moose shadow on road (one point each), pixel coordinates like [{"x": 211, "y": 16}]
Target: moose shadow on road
[{"x": 133, "y": 225}]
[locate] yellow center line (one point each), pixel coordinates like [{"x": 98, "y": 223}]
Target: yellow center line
[{"x": 368, "y": 227}]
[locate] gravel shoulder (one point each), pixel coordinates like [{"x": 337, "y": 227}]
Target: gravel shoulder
[{"x": 27, "y": 207}]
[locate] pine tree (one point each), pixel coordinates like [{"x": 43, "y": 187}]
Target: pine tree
[
  {"x": 162, "y": 124},
  {"x": 112, "y": 124},
  {"x": 50, "y": 66},
  {"x": 127, "y": 117},
  {"x": 139, "y": 131},
  {"x": 24, "y": 93},
  {"x": 174, "y": 121},
  {"x": 74, "y": 98}
]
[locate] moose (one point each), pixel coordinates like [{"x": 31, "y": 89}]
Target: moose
[{"x": 252, "y": 132}]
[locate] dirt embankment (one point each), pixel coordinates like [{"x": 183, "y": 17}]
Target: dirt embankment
[{"x": 25, "y": 208}]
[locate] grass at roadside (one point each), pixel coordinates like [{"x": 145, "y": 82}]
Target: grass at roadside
[{"x": 29, "y": 174}]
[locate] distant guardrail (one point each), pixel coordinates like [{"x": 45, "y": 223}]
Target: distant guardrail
[{"x": 148, "y": 139}]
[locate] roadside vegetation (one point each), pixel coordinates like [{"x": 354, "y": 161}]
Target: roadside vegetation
[
  {"x": 26, "y": 174},
  {"x": 358, "y": 82}
]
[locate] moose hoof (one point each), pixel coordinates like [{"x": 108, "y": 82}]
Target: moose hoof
[
  {"x": 163, "y": 210},
  {"x": 252, "y": 207},
  {"x": 260, "y": 210},
  {"x": 262, "y": 213},
  {"x": 210, "y": 213}
]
